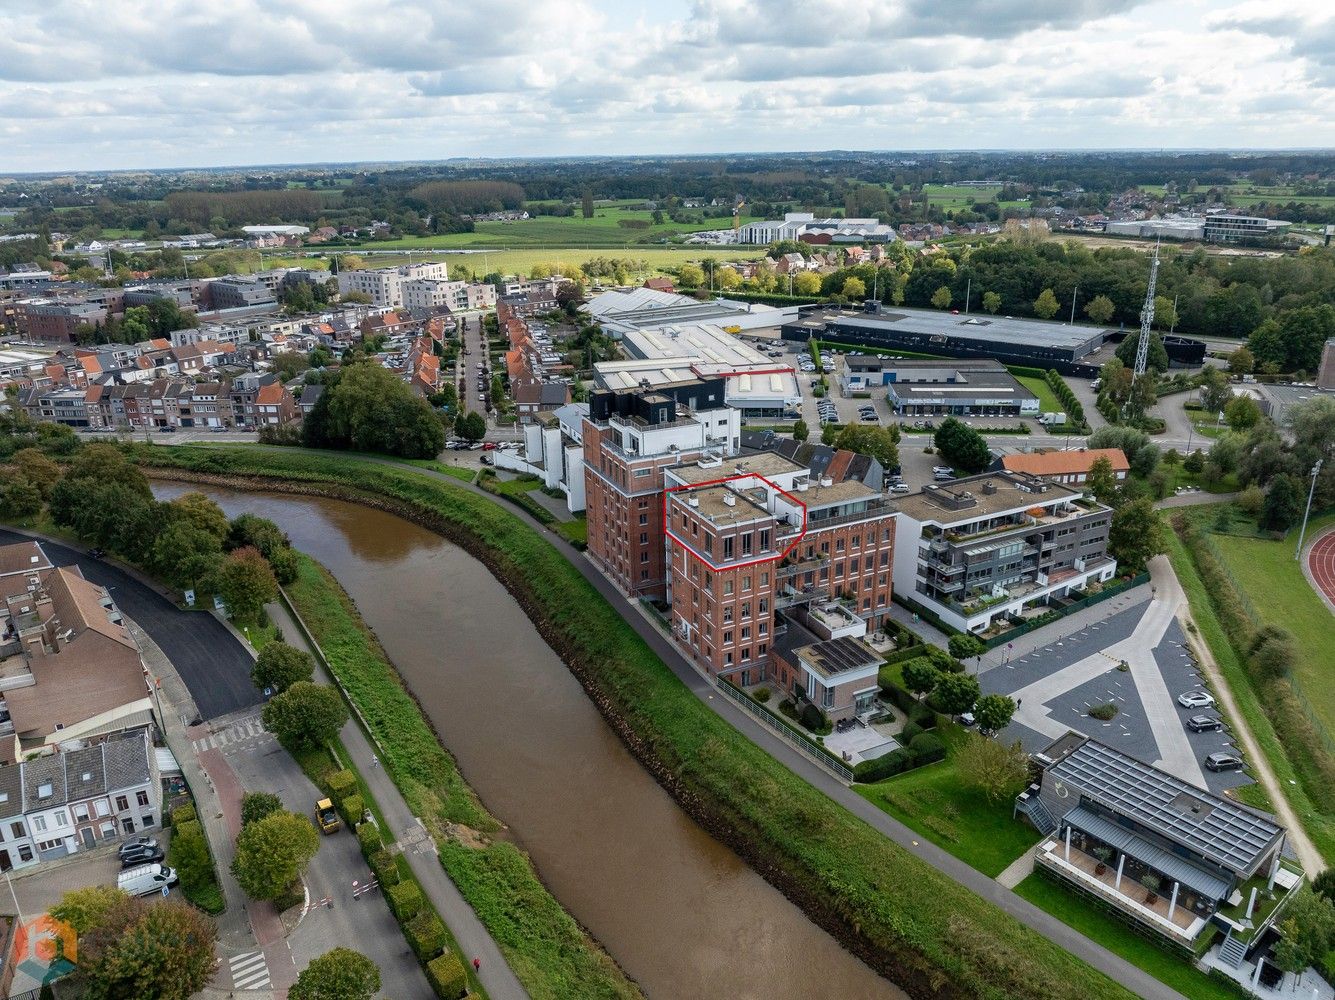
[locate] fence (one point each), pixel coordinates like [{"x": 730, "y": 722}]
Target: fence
[
  {"x": 1059, "y": 613},
  {"x": 796, "y": 739}
]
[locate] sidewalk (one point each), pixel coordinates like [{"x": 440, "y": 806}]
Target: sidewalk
[{"x": 475, "y": 941}]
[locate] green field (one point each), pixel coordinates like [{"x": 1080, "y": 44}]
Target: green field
[
  {"x": 602, "y": 231},
  {"x": 1273, "y": 582},
  {"x": 954, "y": 197},
  {"x": 1047, "y": 402},
  {"x": 932, "y": 802},
  {"x": 1122, "y": 940}
]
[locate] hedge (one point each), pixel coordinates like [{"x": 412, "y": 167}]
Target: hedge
[
  {"x": 884, "y": 767},
  {"x": 909, "y": 653},
  {"x": 386, "y": 870},
  {"x": 341, "y": 783},
  {"x": 923, "y": 715},
  {"x": 405, "y": 900},
  {"x": 368, "y": 837},
  {"x": 184, "y": 814},
  {"x": 927, "y": 748},
  {"x": 353, "y": 808},
  {"x": 910, "y": 730},
  {"x": 446, "y": 975},
  {"x": 425, "y": 934},
  {"x": 1075, "y": 412}
]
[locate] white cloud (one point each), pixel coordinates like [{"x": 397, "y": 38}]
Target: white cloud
[{"x": 85, "y": 84}]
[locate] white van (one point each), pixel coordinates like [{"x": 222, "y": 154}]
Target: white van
[{"x": 146, "y": 880}]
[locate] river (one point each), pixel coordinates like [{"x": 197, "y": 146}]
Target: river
[{"x": 680, "y": 912}]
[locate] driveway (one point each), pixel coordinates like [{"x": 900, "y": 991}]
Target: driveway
[{"x": 211, "y": 661}]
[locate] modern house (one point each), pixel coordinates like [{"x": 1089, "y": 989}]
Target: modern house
[
  {"x": 1171, "y": 858},
  {"x": 998, "y": 545}
]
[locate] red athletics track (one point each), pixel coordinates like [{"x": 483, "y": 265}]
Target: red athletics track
[{"x": 1321, "y": 564}]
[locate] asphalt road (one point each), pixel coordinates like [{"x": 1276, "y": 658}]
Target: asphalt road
[{"x": 211, "y": 661}]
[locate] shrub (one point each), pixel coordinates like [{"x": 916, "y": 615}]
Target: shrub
[
  {"x": 927, "y": 748},
  {"x": 256, "y": 805},
  {"x": 910, "y": 730},
  {"x": 923, "y": 716},
  {"x": 368, "y": 836},
  {"x": 447, "y": 977},
  {"x": 353, "y": 807},
  {"x": 405, "y": 900},
  {"x": 813, "y": 718},
  {"x": 385, "y": 868},
  {"x": 184, "y": 814},
  {"x": 763, "y": 695},
  {"x": 425, "y": 934},
  {"x": 1104, "y": 712},
  {"x": 341, "y": 783},
  {"x": 884, "y": 767}
]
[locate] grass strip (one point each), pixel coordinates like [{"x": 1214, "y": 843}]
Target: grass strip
[
  {"x": 911, "y": 922},
  {"x": 549, "y": 952}
]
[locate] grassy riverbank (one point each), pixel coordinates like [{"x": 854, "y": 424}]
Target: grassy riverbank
[
  {"x": 547, "y": 949},
  {"x": 908, "y": 920}
]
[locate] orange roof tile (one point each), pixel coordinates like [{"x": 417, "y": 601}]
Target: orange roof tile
[{"x": 1059, "y": 463}]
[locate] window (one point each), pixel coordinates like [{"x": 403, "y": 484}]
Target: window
[
  {"x": 760, "y": 651},
  {"x": 141, "y": 798},
  {"x": 122, "y": 803},
  {"x": 746, "y": 583},
  {"x": 764, "y": 539},
  {"x": 17, "y": 830},
  {"x": 25, "y": 852},
  {"x": 727, "y": 547},
  {"x": 727, "y": 638},
  {"x": 746, "y": 632},
  {"x": 39, "y": 824},
  {"x": 49, "y": 845},
  {"x": 746, "y": 544},
  {"x": 147, "y": 820},
  {"x": 644, "y": 558},
  {"x": 746, "y": 609},
  {"x": 642, "y": 473},
  {"x": 62, "y": 818},
  {"x": 764, "y": 579},
  {"x": 727, "y": 659},
  {"x": 644, "y": 518},
  {"x": 838, "y": 545},
  {"x": 44, "y": 790},
  {"x": 827, "y": 697}
]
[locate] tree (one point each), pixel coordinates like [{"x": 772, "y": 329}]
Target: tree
[
  {"x": 1135, "y": 535},
  {"x": 368, "y": 408},
  {"x": 306, "y": 716},
  {"x": 806, "y": 283},
  {"x": 289, "y": 364},
  {"x": 256, "y": 805},
  {"x": 1324, "y": 884},
  {"x": 941, "y": 298},
  {"x": 20, "y": 498},
  {"x": 1165, "y": 313},
  {"x": 991, "y": 302},
  {"x": 1241, "y": 362},
  {"x": 881, "y": 443},
  {"x": 955, "y": 694},
  {"x": 1101, "y": 481},
  {"x": 965, "y": 645},
  {"x": 586, "y": 204},
  {"x": 993, "y": 712},
  {"x": 728, "y": 278},
  {"x": 1242, "y": 413},
  {"x": 1272, "y": 652},
  {"x": 1215, "y": 389},
  {"x": 854, "y": 289},
  {"x": 962, "y": 446},
  {"x": 997, "y": 771},
  {"x": 185, "y": 556},
  {"x": 279, "y": 666},
  {"x": 920, "y": 675},
  {"x": 198, "y": 511},
  {"x": 39, "y": 470},
  {"x": 470, "y": 426},
  {"x": 829, "y": 433},
  {"x": 86, "y": 908},
  {"x": 1100, "y": 309},
  {"x": 246, "y": 583},
  {"x": 1283, "y": 504},
  {"x": 162, "y": 951},
  {"x": 1156, "y": 359},
  {"x": 340, "y": 974},
  {"x": 801, "y": 431},
  {"x": 691, "y": 275},
  {"x": 1046, "y": 305},
  {"x": 272, "y": 852}
]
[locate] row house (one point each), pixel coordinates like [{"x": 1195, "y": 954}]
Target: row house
[
  {"x": 260, "y": 401},
  {"x": 78, "y": 799}
]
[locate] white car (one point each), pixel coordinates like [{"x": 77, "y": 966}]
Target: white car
[
  {"x": 943, "y": 470},
  {"x": 900, "y": 488},
  {"x": 1195, "y": 699}
]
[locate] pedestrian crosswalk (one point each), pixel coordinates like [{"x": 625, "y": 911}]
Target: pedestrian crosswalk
[
  {"x": 249, "y": 971},
  {"x": 238, "y": 732}
]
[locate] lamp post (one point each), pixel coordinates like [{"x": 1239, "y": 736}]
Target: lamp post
[{"x": 1316, "y": 471}]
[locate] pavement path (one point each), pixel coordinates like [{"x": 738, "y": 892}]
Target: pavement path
[
  {"x": 1115, "y": 967},
  {"x": 1161, "y": 572},
  {"x": 496, "y": 976}
]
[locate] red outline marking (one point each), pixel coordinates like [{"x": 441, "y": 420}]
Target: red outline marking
[{"x": 690, "y": 550}]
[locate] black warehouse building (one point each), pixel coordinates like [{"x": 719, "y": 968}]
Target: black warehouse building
[{"x": 1035, "y": 343}]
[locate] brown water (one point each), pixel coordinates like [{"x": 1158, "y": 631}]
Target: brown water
[{"x": 682, "y": 914}]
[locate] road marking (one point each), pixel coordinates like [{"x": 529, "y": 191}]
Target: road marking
[
  {"x": 249, "y": 971},
  {"x": 238, "y": 732}
]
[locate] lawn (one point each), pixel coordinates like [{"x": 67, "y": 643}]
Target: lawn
[
  {"x": 1122, "y": 940},
  {"x": 1273, "y": 581},
  {"x": 1047, "y": 402},
  {"x": 933, "y": 802}
]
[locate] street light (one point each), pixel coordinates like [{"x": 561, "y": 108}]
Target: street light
[{"x": 1316, "y": 471}]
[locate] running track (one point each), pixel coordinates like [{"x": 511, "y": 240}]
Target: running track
[{"x": 1321, "y": 566}]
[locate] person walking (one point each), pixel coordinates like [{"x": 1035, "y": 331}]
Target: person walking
[
  {"x": 375, "y": 761},
  {"x": 477, "y": 965}
]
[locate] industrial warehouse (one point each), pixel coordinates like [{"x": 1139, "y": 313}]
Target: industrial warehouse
[{"x": 918, "y": 387}]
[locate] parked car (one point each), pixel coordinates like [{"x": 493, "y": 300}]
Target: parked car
[
  {"x": 943, "y": 468},
  {"x": 943, "y": 477},
  {"x": 146, "y": 880},
  {"x": 1223, "y": 762},
  {"x": 489, "y": 446},
  {"x": 900, "y": 488},
  {"x": 1204, "y": 724},
  {"x": 1195, "y": 699},
  {"x": 139, "y": 851}
]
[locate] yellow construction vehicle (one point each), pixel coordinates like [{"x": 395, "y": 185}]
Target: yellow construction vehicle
[{"x": 326, "y": 817}]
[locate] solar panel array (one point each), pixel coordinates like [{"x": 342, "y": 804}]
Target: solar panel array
[
  {"x": 1225, "y": 833},
  {"x": 838, "y": 655}
]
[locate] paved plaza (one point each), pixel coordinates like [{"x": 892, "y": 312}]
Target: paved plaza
[{"x": 1056, "y": 685}]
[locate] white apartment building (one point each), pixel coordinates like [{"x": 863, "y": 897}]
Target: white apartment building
[
  {"x": 384, "y": 286},
  {"x": 428, "y": 293},
  {"x": 795, "y": 224}
]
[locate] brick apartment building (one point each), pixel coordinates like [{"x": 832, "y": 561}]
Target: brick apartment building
[{"x": 742, "y": 547}]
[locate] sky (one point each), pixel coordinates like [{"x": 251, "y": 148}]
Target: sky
[{"x": 92, "y": 85}]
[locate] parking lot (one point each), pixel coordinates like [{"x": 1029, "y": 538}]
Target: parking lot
[{"x": 1057, "y": 684}]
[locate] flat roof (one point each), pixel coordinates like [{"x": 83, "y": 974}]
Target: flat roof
[
  {"x": 766, "y": 463},
  {"x": 705, "y": 341},
  {"x": 1220, "y": 830},
  {"x": 722, "y": 505},
  {"x": 986, "y": 329},
  {"x": 842, "y": 492},
  {"x": 1014, "y": 491},
  {"x": 838, "y": 656}
]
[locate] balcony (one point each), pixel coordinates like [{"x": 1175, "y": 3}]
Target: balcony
[{"x": 789, "y": 596}]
